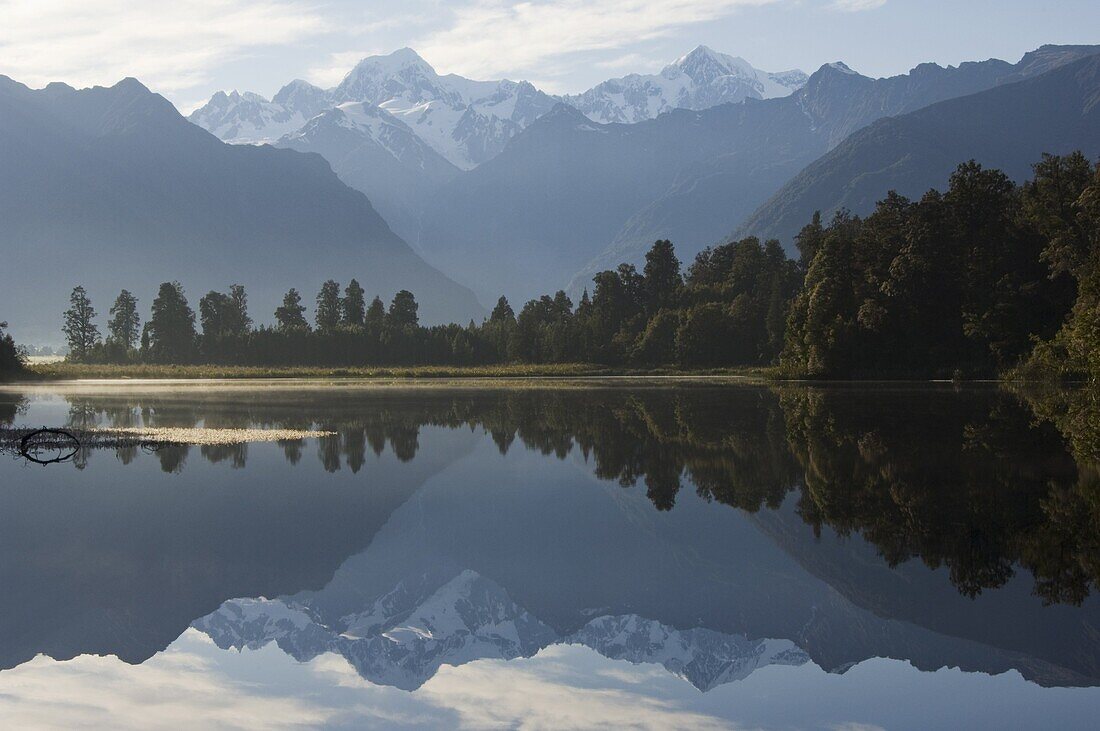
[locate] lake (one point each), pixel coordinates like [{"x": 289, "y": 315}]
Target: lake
[{"x": 554, "y": 554}]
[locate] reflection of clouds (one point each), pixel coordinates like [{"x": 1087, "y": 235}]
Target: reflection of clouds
[
  {"x": 176, "y": 687},
  {"x": 549, "y": 692},
  {"x": 193, "y": 684}
]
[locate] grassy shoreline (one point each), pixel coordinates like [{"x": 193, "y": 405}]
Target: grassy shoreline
[{"x": 63, "y": 371}]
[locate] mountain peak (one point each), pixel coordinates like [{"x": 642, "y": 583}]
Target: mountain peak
[
  {"x": 841, "y": 67},
  {"x": 704, "y": 65},
  {"x": 390, "y": 63},
  {"x": 131, "y": 84}
]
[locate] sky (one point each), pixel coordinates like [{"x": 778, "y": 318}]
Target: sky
[{"x": 188, "y": 49}]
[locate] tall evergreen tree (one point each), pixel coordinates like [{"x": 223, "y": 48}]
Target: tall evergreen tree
[
  {"x": 662, "y": 279},
  {"x": 79, "y": 325},
  {"x": 291, "y": 315},
  {"x": 225, "y": 315},
  {"x": 403, "y": 310},
  {"x": 354, "y": 305},
  {"x": 239, "y": 323},
  {"x": 327, "y": 315},
  {"x": 502, "y": 312},
  {"x": 376, "y": 314},
  {"x": 172, "y": 336},
  {"x": 125, "y": 323}
]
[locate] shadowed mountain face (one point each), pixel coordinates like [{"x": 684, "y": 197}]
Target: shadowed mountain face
[
  {"x": 375, "y": 152},
  {"x": 1008, "y": 128},
  {"x": 569, "y": 195},
  {"x": 707, "y": 200},
  {"x": 677, "y": 527},
  {"x": 117, "y": 176}
]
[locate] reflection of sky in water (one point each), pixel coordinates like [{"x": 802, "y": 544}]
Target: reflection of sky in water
[
  {"x": 561, "y": 687},
  {"x": 119, "y": 558}
]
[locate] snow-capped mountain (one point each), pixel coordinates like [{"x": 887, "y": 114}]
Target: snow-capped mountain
[
  {"x": 468, "y": 122},
  {"x": 404, "y": 637},
  {"x": 465, "y": 121},
  {"x": 249, "y": 118},
  {"x": 703, "y": 78}
]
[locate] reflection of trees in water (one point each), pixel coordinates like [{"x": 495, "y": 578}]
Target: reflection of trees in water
[
  {"x": 978, "y": 481},
  {"x": 235, "y": 454},
  {"x": 969, "y": 480},
  {"x": 11, "y": 407}
]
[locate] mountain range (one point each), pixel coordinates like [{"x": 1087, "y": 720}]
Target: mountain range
[
  {"x": 464, "y": 190},
  {"x": 582, "y": 182},
  {"x": 1008, "y": 128},
  {"x": 425, "y": 128},
  {"x": 472, "y": 568},
  {"x": 116, "y": 176},
  {"x": 408, "y": 634}
]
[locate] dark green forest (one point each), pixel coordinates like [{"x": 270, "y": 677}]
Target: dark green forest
[{"x": 987, "y": 278}]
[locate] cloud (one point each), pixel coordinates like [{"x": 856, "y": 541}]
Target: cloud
[
  {"x": 169, "y": 46},
  {"x": 337, "y": 66},
  {"x": 855, "y": 6},
  {"x": 487, "y": 38}
]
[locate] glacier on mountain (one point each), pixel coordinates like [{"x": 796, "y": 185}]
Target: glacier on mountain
[
  {"x": 701, "y": 79},
  {"x": 468, "y": 122}
]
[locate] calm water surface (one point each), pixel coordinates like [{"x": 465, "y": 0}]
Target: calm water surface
[{"x": 557, "y": 557}]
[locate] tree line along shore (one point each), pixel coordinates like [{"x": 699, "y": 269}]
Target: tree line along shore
[{"x": 987, "y": 279}]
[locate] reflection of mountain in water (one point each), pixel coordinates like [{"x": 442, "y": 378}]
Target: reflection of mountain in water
[
  {"x": 404, "y": 638},
  {"x": 584, "y": 557},
  {"x": 872, "y": 522},
  {"x": 120, "y": 558}
]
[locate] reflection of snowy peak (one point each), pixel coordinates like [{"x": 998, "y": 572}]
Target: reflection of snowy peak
[
  {"x": 404, "y": 637},
  {"x": 699, "y": 80},
  {"x": 703, "y": 657},
  {"x": 468, "y": 618}
]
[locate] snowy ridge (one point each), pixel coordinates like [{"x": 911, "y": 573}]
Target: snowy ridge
[
  {"x": 703, "y": 657},
  {"x": 251, "y": 119},
  {"x": 371, "y": 124},
  {"x": 465, "y": 121},
  {"x": 703, "y": 78},
  {"x": 468, "y": 122},
  {"x": 406, "y": 635},
  {"x": 468, "y": 618}
]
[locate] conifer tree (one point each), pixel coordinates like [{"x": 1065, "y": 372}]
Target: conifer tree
[
  {"x": 354, "y": 305},
  {"x": 125, "y": 323},
  {"x": 79, "y": 326},
  {"x": 291, "y": 315},
  {"x": 172, "y": 336},
  {"x": 327, "y": 315}
]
